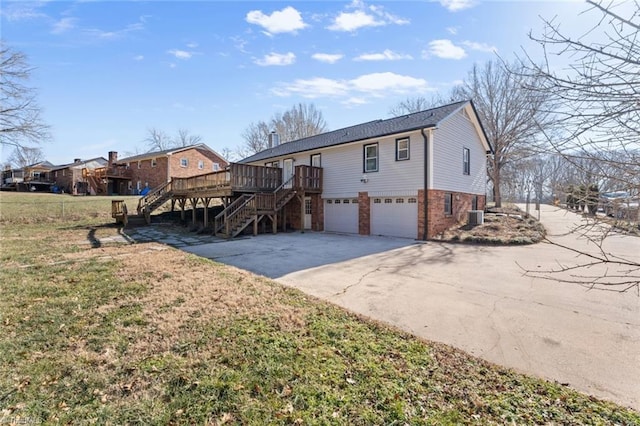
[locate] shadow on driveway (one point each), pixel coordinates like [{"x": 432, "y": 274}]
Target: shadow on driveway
[{"x": 275, "y": 256}]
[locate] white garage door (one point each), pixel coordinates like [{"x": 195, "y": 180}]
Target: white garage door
[
  {"x": 394, "y": 216},
  {"x": 341, "y": 215}
]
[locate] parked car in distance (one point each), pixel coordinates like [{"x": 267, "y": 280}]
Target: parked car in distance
[{"x": 619, "y": 204}]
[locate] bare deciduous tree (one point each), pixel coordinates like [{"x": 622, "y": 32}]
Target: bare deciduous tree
[
  {"x": 511, "y": 112},
  {"x": 596, "y": 98},
  {"x": 20, "y": 115},
  {"x": 185, "y": 138},
  {"x": 159, "y": 140},
  {"x": 301, "y": 121},
  {"x": 23, "y": 156},
  {"x": 418, "y": 103}
]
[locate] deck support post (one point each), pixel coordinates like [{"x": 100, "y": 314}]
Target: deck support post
[
  {"x": 194, "y": 202},
  {"x": 301, "y": 197},
  {"x": 274, "y": 223},
  {"x": 255, "y": 226},
  {"x": 182, "y": 202},
  {"x": 206, "y": 202},
  {"x": 173, "y": 204}
]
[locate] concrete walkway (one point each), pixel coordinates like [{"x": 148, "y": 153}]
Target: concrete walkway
[{"x": 476, "y": 298}]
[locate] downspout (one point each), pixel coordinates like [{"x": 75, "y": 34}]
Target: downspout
[{"x": 426, "y": 185}]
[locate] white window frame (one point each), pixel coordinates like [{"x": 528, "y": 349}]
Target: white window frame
[
  {"x": 367, "y": 158},
  {"x": 215, "y": 166},
  {"x": 313, "y": 157},
  {"x": 466, "y": 161},
  {"x": 184, "y": 162},
  {"x": 154, "y": 162},
  {"x": 200, "y": 164},
  {"x": 402, "y": 153}
]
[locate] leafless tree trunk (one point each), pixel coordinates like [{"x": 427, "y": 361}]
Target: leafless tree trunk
[
  {"x": 20, "y": 114},
  {"x": 512, "y": 115},
  {"x": 301, "y": 121}
]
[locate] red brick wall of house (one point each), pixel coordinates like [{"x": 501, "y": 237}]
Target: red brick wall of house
[
  {"x": 68, "y": 181},
  {"x": 293, "y": 214},
  {"x": 143, "y": 171},
  {"x": 193, "y": 156},
  {"x": 364, "y": 213},
  {"x": 317, "y": 212},
  {"x": 438, "y": 221}
]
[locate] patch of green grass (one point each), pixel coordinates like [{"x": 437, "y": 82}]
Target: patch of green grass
[{"x": 80, "y": 344}]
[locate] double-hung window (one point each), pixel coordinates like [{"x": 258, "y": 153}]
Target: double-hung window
[
  {"x": 402, "y": 149},
  {"x": 448, "y": 203},
  {"x": 371, "y": 158},
  {"x": 466, "y": 161},
  {"x": 184, "y": 162}
]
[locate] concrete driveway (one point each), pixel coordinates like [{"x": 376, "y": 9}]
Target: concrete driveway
[{"x": 475, "y": 298}]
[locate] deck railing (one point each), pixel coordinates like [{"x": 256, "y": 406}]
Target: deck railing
[
  {"x": 206, "y": 181},
  {"x": 308, "y": 178},
  {"x": 255, "y": 178}
]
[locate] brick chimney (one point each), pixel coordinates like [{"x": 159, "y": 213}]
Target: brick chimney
[
  {"x": 77, "y": 160},
  {"x": 113, "y": 157}
]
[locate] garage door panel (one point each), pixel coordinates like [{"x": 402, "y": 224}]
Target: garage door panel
[
  {"x": 394, "y": 216},
  {"x": 341, "y": 215}
]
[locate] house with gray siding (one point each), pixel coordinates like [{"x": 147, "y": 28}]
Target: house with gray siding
[{"x": 412, "y": 176}]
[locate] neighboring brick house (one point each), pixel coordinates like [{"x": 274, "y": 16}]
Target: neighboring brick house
[
  {"x": 155, "y": 168},
  {"x": 71, "y": 179},
  {"x": 34, "y": 177},
  {"x": 412, "y": 176}
]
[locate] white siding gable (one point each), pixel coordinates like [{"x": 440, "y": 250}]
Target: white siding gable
[{"x": 453, "y": 134}]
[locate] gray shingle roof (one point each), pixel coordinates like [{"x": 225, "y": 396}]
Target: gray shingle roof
[
  {"x": 162, "y": 153},
  {"x": 372, "y": 129}
]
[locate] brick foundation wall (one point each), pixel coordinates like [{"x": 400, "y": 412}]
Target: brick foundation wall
[
  {"x": 294, "y": 220},
  {"x": 438, "y": 221},
  {"x": 364, "y": 213},
  {"x": 317, "y": 212}
]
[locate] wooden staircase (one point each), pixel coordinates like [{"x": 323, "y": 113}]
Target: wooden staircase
[
  {"x": 154, "y": 199},
  {"x": 248, "y": 209}
]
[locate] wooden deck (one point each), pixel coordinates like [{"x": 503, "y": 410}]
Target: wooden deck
[{"x": 245, "y": 179}]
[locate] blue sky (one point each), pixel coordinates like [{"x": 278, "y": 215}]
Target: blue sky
[{"x": 107, "y": 71}]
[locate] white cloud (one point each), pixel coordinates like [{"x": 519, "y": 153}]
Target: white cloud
[
  {"x": 445, "y": 49},
  {"x": 137, "y": 26},
  {"x": 352, "y": 21},
  {"x": 192, "y": 45},
  {"x": 457, "y": 5},
  {"x": 312, "y": 88},
  {"x": 180, "y": 54},
  {"x": 387, "y": 55},
  {"x": 277, "y": 59},
  {"x": 362, "y": 16},
  {"x": 482, "y": 47},
  {"x": 287, "y": 20},
  {"x": 355, "y": 90},
  {"x": 388, "y": 82},
  {"x": 353, "y": 101},
  {"x": 453, "y": 30},
  {"x": 327, "y": 57},
  {"x": 22, "y": 11},
  {"x": 138, "y": 58},
  {"x": 63, "y": 25}
]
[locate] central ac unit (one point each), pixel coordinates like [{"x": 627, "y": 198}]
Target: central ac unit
[{"x": 476, "y": 217}]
